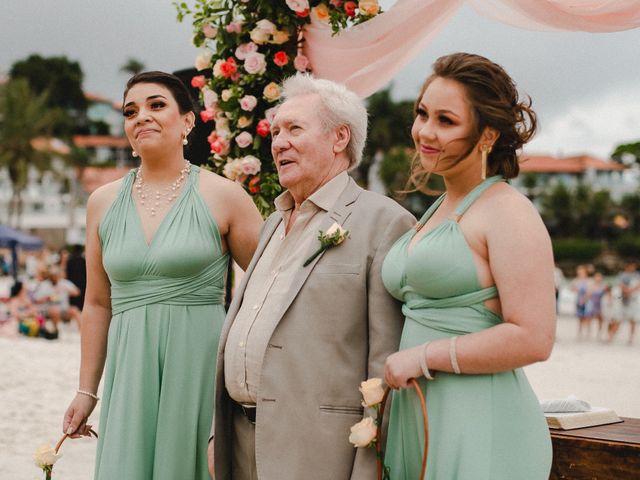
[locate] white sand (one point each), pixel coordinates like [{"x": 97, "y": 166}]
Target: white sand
[{"x": 39, "y": 378}]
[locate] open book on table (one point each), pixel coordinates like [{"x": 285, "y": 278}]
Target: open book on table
[{"x": 571, "y": 413}]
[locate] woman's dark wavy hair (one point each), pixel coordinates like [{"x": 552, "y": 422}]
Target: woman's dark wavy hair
[
  {"x": 167, "y": 80},
  {"x": 495, "y": 103}
]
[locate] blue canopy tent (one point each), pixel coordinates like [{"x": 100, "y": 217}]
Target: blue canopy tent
[{"x": 14, "y": 239}]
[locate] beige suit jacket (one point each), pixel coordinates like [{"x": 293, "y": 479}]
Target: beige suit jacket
[{"x": 336, "y": 330}]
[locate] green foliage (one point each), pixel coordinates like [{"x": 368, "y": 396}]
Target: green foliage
[
  {"x": 628, "y": 246},
  {"x": 132, "y": 66},
  {"x": 630, "y": 150},
  {"x": 61, "y": 79},
  {"x": 578, "y": 249}
]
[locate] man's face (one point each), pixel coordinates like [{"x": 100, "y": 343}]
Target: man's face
[{"x": 302, "y": 149}]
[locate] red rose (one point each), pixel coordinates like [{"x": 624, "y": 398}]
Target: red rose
[
  {"x": 254, "y": 185},
  {"x": 207, "y": 115},
  {"x": 198, "y": 81},
  {"x": 304, "y": 13},
  {"x": 336, "y": 3},
  {"x": 262, "y": 128},
  {"x": 228, "y": 68},
  {"x": 281, "y": 58},
  {"x": 350, "y": 8}
]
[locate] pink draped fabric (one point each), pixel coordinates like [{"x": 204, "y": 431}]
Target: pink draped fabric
[{"x": 369, "y": 55}]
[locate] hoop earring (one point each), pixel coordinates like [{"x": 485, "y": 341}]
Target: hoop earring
[{"x": 485, "y": 149}]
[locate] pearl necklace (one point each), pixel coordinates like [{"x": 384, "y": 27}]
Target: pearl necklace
[{"x": 161, "y": 198}]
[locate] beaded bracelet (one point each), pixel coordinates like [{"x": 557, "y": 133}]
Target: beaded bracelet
[
  {"x": 453, "y": 356},
  {"x": 423, "y": 363},
  {"x": 89, "y": 394}
]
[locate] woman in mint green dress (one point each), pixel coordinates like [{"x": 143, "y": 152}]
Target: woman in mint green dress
[
  {"x": 476, "y": 279},
  {"x": 158, "y": 245}
]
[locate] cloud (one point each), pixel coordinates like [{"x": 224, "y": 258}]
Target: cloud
[{"x": 594, "y": 125}]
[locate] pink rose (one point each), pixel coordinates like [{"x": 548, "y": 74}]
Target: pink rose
[
  {"x": 336, "y": 3},
  {"x": 298, "y": 5},
  {"x": 250, "y": 165},
  {"x": 198, "y": 81},
  {"x": 244, "y": 139},
  {"x": 245, "y": 49},
  {"x": 234, "y": 27},
  {"x": 209, "y": 98},
  {"x": 270, "y": 114},
  {"x": 301, "y": 63},
  {"x": 255, "y": 63},
  {"x": 248, "y": 102},
  {"x": 209, "y": 30}
]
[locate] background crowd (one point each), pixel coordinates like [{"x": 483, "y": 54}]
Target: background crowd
[{"x": 50, "y": 291}]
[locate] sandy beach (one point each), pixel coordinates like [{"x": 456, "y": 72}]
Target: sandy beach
[{"x": 39, "y": 378}]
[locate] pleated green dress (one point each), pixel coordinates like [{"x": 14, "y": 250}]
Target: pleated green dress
[
  {"x": 167, "y": 310},
  {"x": 481, "y": 427}
]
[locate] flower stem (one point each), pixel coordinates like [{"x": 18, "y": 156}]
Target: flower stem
[{"x": 312, "y": 257}]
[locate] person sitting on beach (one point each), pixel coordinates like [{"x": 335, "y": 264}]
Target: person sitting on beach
[{"x": 60, "y": 308}]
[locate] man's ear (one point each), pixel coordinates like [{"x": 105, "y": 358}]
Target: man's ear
[{"x": 343, "y": 135}]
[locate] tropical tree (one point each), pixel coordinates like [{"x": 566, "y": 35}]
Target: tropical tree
[
  {"x": 24, "y": 117},
  {"x": 61, "y": 79},
  {"x": 132, "y": 66},
  {"x": 626, "y": 151}
]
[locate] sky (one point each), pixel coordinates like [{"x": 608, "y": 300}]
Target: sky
[{"x": 585, "y": 87}]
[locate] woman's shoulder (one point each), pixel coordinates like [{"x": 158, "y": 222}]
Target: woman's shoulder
[
  {"x": 506, "y": 198},
  {"x": 215, "y": 186},
  {"x": 102, "y": 197}
]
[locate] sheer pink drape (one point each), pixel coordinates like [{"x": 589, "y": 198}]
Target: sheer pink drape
[{"x": 366, "y": 57}]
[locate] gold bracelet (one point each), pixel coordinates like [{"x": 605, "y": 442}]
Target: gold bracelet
[
  {"x": 453, "y": 356},
  {"x": 89, "y": 394},
  {"x": 423, "y": 363}
]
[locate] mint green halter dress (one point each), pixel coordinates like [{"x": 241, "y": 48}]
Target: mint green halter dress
[
  {"x": 166, "y": 300},
  {"x": 481, "y": 427}
]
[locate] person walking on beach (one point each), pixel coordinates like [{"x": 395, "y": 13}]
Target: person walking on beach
[{"x": 158, "y": 244}]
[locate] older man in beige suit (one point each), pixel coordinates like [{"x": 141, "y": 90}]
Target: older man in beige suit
[{"x": 298, "y": 340}]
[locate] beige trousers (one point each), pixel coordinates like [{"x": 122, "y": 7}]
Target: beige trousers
[{"x": 243, "y": 461}]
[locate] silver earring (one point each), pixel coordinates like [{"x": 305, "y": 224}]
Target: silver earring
[{"x": 134, "y": 153}]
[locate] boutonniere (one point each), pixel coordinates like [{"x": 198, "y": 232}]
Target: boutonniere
[{"x": 335, "y": 235}]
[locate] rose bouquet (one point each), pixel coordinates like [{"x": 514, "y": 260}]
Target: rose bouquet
[
  {"x": 368, "y": 432},
  {"x": 249, "y": 47}
]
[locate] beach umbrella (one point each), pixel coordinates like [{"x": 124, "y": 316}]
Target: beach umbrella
[{"x": 14, "y": 239}]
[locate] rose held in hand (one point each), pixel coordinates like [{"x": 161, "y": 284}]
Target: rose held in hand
[
  {"x": 363, "y": 433},
  {"x": 372, "y": 392}
]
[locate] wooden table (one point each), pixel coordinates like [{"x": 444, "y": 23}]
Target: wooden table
[{"x": 597, "y": 453}]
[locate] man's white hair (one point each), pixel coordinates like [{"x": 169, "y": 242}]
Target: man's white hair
[{"x": 340, "y": 106}]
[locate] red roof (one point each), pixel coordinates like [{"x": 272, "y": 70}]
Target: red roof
[
  {"x": 575, "y": 164},
  {"x": 94, "y": 177},
  {"x": 95, "y": 141}
]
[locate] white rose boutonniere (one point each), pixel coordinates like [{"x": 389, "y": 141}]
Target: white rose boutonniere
[
  {"x": 372, "y": 392},
  {"x": 335, "y": 235}
]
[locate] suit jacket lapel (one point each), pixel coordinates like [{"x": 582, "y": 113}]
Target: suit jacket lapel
[{"x": 339, "y": 214}]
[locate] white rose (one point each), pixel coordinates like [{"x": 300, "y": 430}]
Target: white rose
[
  {"x": 266, "y": 25},
  {"x": 226, "y": 95},
  {"x": 203, "y": 60},
  {"x": 259, "y": 36},
  {"x": 363, "y": 433},
  {"x": 271, "y": 92},
  {"x": 372, "y": 392},
  {"x": 337, "y": 228},
  {"x": 45, "y": 456}
]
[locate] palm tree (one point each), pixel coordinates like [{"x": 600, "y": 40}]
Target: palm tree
[
  {"x": 132, "y": 66},
  {"x": 24, "y": 117}
]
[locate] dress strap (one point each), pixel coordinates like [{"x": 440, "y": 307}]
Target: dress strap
[
  {"x": 434, "y": 206},
  {"x": 473, "y": 195}
]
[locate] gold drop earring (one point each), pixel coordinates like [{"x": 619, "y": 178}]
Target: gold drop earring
[
  {"x": 185, "y": 142},
  {"x": 485, "y": 149}
]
